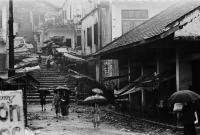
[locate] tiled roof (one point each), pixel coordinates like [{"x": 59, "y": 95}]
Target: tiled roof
[{"x": 152, "y": 27}]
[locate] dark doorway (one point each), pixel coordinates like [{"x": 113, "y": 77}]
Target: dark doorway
[
  {"x": 68, "y": 42},
  {"x": 196, "y": 76}
]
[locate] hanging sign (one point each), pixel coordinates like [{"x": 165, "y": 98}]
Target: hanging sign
[{"x": 11, "y": 113}]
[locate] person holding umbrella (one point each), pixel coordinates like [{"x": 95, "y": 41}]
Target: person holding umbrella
[
  {"x": 95, "y": 100},
  {"x": 64, "y": 103},
  {"x": 187, "y": 98},
  {"x": 189, "y": 118},
  {"x": 64, "y": 99},
  {"x": 56, "y": 102}
]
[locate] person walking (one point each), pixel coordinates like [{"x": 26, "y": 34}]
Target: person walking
[
  {"x": 64, "y": 104},
  {"x": 76, "y": 94},
  {"x": 189, "y": 118},
  {"x": 48, "y": 61},
  {"x": 56, "y": 102},
  {"x": 39, "y": 59},
  {"x": 96, "y": 120},
  {"x": 43, "y": 100}
]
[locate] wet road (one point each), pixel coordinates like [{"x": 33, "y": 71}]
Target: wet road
[{"x": 79, "y": 123}]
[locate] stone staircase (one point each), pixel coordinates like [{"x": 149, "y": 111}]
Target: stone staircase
[{"x": 49, "y": 79}]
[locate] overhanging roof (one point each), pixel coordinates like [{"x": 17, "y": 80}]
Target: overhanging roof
[
  {"x": 153, "y": 29},
  {"x": 74, "y": 57}
]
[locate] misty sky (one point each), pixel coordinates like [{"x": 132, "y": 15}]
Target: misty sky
[{"x": 59, "y": 3}]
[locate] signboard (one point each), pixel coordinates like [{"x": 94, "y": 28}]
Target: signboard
[{"x": 11, "y": 113}]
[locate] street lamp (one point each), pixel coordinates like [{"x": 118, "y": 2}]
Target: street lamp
[{"x": 11, "y": 70}]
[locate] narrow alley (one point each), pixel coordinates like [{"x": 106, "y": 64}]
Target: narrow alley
[{"x": 79, "y": 122}]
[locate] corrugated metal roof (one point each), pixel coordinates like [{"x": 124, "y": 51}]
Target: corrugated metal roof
[{"x": 154, "y": 26}]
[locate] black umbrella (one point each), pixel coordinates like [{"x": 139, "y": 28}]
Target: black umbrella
[
  {"x": 63, "y": 88},
  {"x": 44, "y": 92},
  {"x": 184, "y": 96}
]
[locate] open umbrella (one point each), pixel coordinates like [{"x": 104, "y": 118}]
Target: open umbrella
[
  {"x": 97, "y": 91},
  {"x": 184, "y": 96},
  {"x": 63, "y": 88},
  {"x": 44, "y": 92},
  {"x": 95, "y": 99}
]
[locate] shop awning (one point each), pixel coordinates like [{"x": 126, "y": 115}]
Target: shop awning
[
  {"x": 116, "y": 77},
  {"x": 124, "y": 89},
  {"x": 74, "y": 57},
  {"x": 24, "y": 76},
  {"x": 27, "y": 69},
  {"x": 132, "y": 90},
  {"x": 62, "y": 50}
]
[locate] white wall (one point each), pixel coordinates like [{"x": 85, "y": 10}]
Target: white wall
[
  {"x": 4, "y": 23},
  {"x": 192, "y": 28},
  {"x": 86, "y": 23},
  {"x": 72, "y": 9},
  {"x": 88, "y": 6},
  {"x": 154, "y": 7}
]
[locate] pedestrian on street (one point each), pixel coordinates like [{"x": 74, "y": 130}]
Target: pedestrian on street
[
  {"x": 96, "y": 120},
  {"x": 56, "y": 102},
  {"x": 39, "y": 59},
  {"x": 76, "y": 94},
  {"x": 189, "y": 118},
  {"x": 64, "y": 104},
  {"x": 48, "y": 61},
  {"x": 43, "y": 100}
]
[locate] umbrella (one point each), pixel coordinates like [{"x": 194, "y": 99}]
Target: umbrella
[
  {"x": 45, "y": 92},
  {"x": 183, "y": 96},
  {"x": 97, "y": 91},
  {"x": 95, "y": 99},
  {"x": 63, "y": 88},
  {"x": 55, "y": 46}
]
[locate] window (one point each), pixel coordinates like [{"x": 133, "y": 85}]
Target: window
[
  {"x": 89, "y": 36},
  {"x": 135, "y": 14},
  {"x": 78, "y": 40},
  {"x": 68, "y": 42},
  {"x": 133, "y": 18},
  {"x": 96, "y": 34}
]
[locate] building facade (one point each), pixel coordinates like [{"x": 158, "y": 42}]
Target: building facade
[
  {"x": 158, "y": 58},
  {"x": 104, "y": 21}
]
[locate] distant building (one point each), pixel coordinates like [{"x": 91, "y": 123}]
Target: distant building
[
  {"x": 71, "y": 13},
  {"x": 65, "y": 31},
  {"x": 3, "y": 37}
]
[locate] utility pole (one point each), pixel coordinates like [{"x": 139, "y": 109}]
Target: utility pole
[{"x": 11, "y": 70}]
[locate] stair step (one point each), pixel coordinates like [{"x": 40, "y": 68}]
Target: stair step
[{"x": 49, "y": 79}]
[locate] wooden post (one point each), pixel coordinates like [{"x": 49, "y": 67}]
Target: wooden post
[
  {"x": 178, "y": 79},
  {"x": 129, "y": 80},
  {"x": 129, "y": 70},
  {"x": 177, "y": 71},
  {"x": 11, "y": 70},
  {"x": 142, "y": 94}
]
